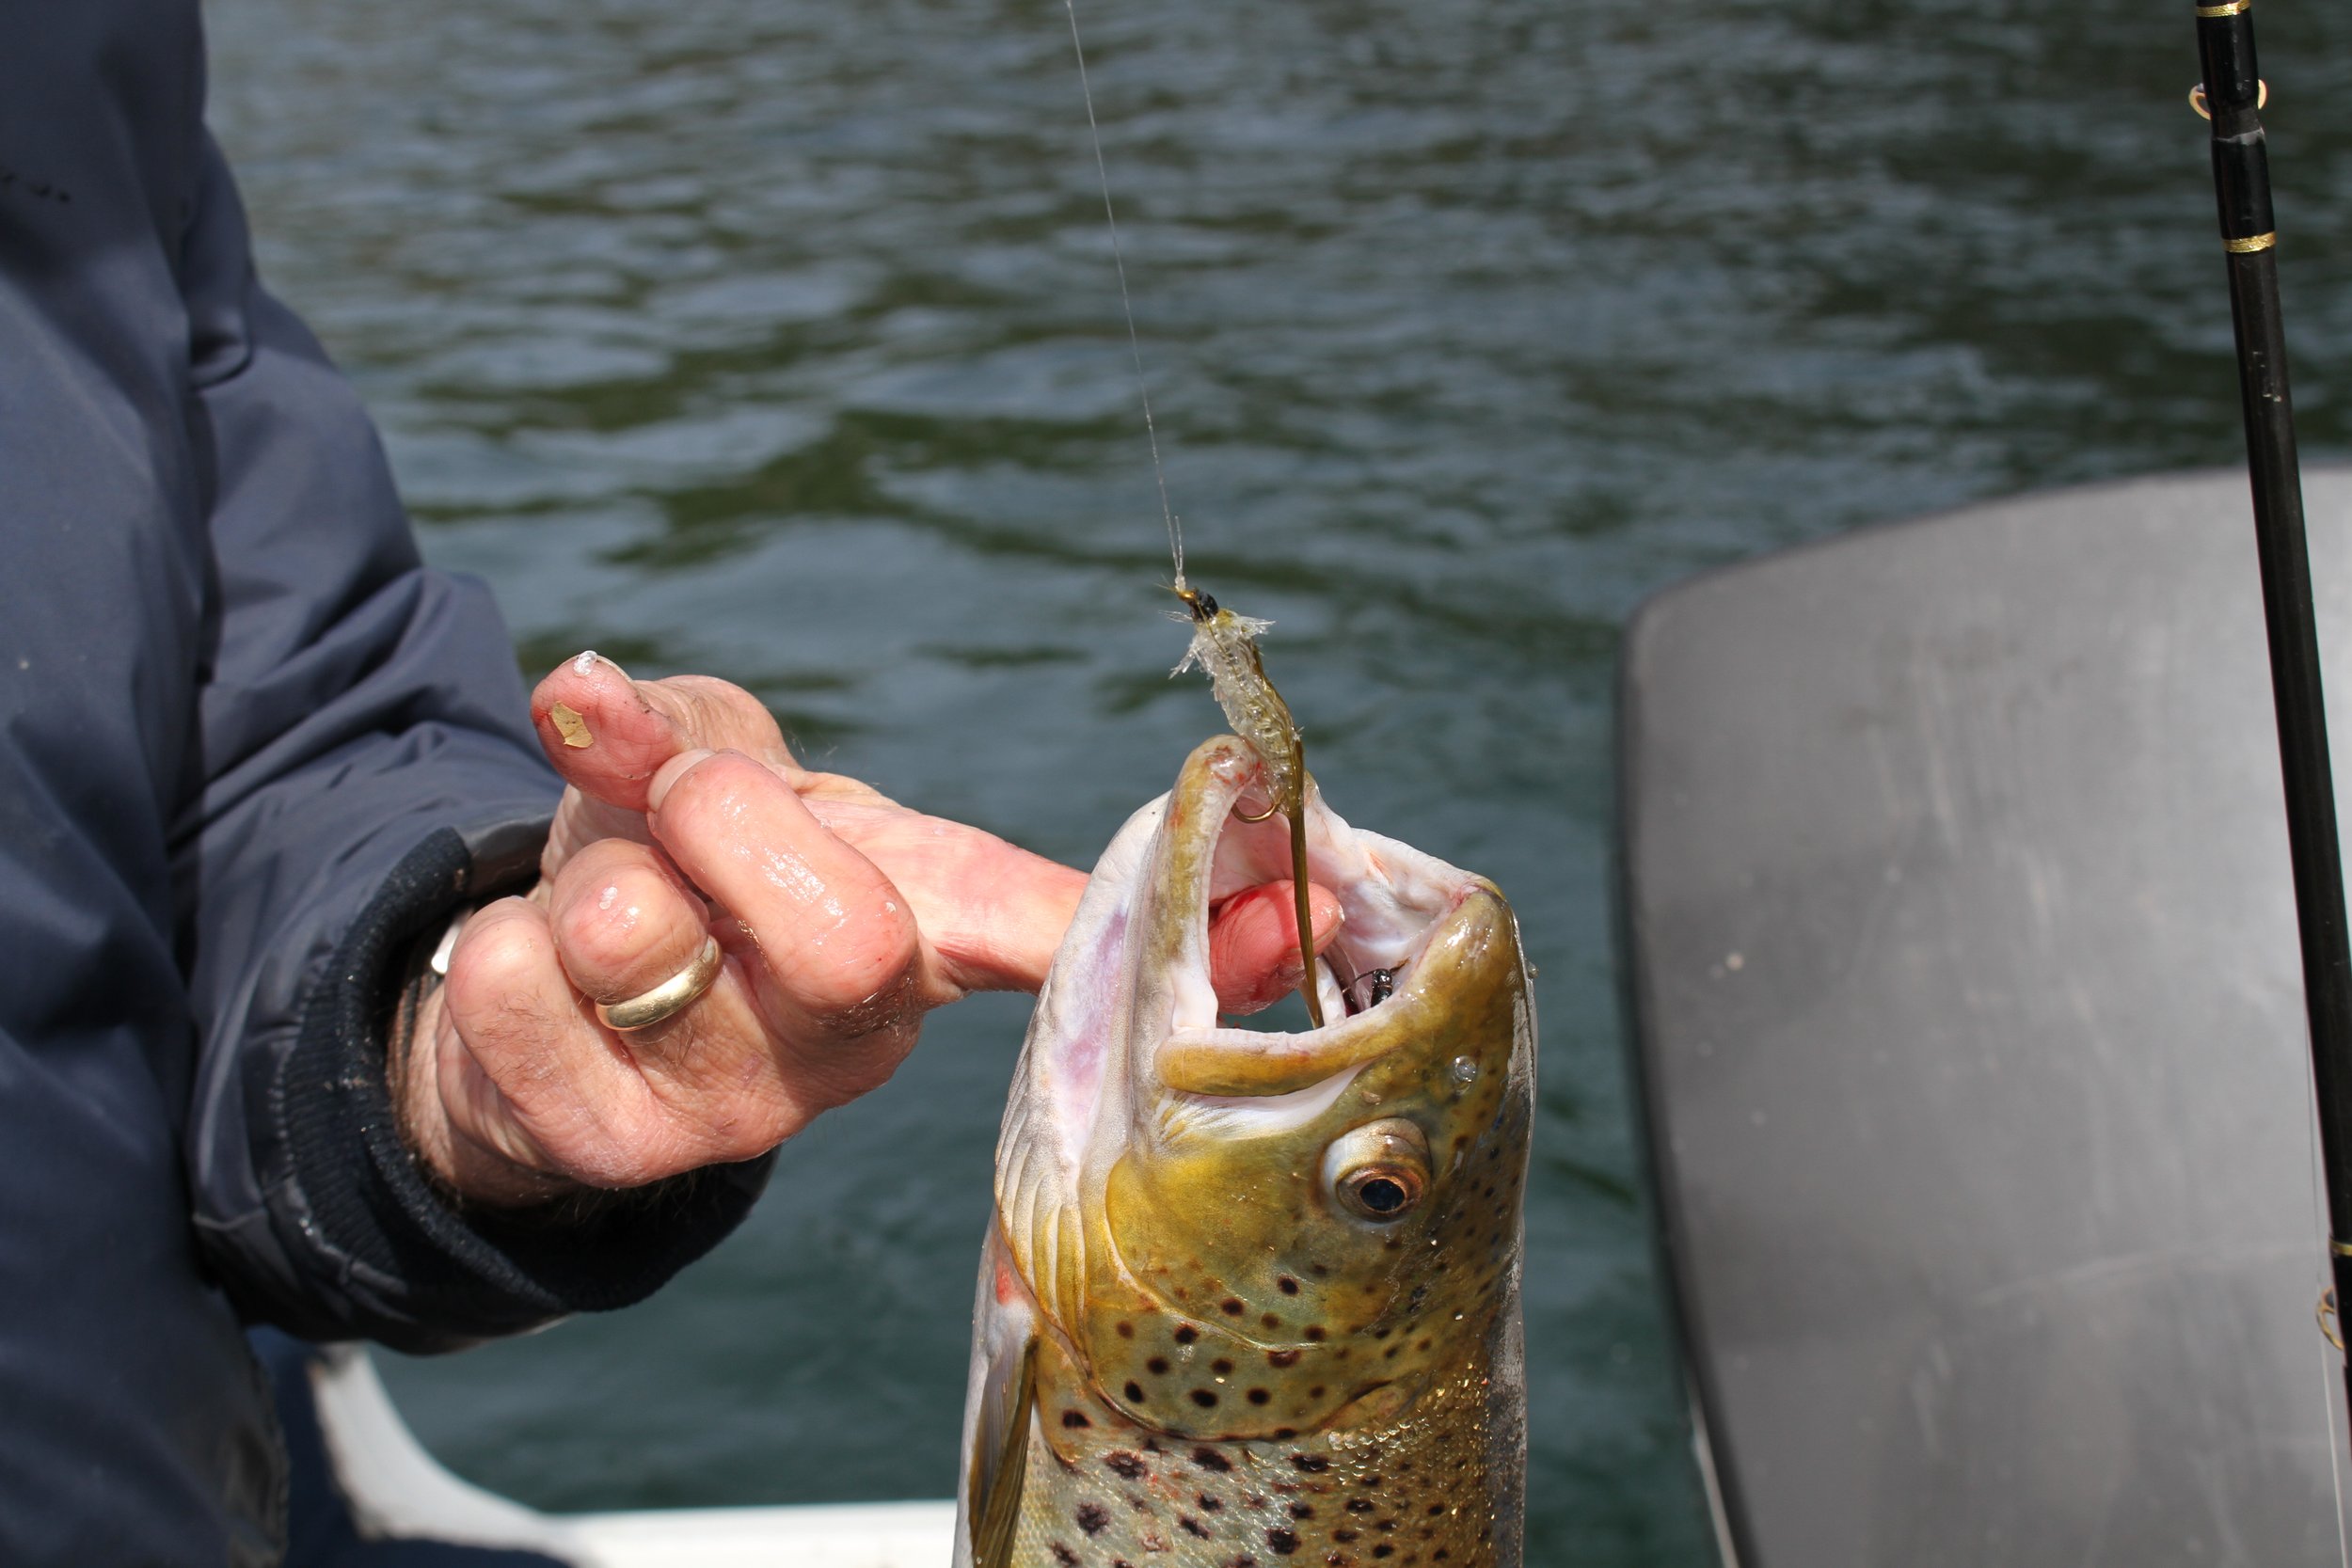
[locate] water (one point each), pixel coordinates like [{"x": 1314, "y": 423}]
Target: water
[{"x": 779, "y": 340}]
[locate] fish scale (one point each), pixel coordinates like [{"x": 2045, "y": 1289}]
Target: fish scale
[{"x": 1414, "y": 1494}]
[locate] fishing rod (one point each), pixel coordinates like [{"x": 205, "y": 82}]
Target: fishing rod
[{"x": 2230, "y": 97}]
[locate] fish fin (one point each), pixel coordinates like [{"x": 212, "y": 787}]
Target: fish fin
[
  {"x": 998, "y": 1477},
  {"x": 999, "y": 1406}
]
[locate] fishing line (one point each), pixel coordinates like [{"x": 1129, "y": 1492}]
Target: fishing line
[{"x": 1134, "y": 346}]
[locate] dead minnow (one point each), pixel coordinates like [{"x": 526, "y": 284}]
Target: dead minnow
[{"x": 1250, "y": 1297}]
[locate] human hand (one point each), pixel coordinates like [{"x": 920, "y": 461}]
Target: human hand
[{"x": 842, "y": 918}]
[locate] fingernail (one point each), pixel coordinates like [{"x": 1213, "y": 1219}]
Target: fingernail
[
  {"x": 588, "y": 660},
  {"x": 671, "y": 773}
]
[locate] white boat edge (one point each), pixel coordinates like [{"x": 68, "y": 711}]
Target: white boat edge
[{"x": 396, "y": 1489}]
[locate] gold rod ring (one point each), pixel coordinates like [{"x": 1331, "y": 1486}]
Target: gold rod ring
[
  {"x": 2227, "y": 8},
  {"x": 2197, "y": 98},
  {"x": 670, "y": 998},
  {"x": 2326, "y": 1310},
  {"x": 2342, "y": 1249},
  {"x": 2249, "y": 246}
]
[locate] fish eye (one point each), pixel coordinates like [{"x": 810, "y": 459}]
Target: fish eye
[{"x": 1379, "y": 1171}]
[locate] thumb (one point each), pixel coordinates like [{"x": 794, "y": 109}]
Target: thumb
[{"x": 609, "y": 735}]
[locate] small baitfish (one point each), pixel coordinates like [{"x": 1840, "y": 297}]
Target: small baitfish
[{"x": 1253, "y": 1298}]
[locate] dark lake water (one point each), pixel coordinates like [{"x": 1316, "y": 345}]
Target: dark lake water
[{"x": 779, "y": 340}]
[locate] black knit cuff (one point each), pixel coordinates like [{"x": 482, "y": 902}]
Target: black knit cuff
[{"x": 465, "y": 1272}]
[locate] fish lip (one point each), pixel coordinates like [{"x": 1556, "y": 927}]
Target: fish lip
[{"x": 1349, "y": 862}]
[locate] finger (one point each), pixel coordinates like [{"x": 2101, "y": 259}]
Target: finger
[
  {"x": 609, "y": 735},
  {"x": 993, "y": 913},
  {"x": 529, "y": 1073},
  {"x": 532, "y": 1074},
  {"x": 623, "y": 921},
  {"x": 850, "y": 977},
  {"x": 1253, "y": 944}
]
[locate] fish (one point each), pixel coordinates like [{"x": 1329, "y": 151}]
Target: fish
[{"x": 1253, "y": 1297}]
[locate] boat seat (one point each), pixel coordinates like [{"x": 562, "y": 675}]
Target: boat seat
[{"x": 1968, "y": 1024}]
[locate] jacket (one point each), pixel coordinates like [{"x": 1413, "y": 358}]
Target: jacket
[{"x": 252, "y": 752}]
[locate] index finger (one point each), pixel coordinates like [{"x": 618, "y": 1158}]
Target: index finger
[{"x": 609, "y": 735}]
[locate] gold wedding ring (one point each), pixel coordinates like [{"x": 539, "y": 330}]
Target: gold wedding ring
[{"x": 670, "y": 998}]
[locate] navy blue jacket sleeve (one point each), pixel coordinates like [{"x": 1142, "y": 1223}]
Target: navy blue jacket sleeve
[{"x": 363, "y": 768}]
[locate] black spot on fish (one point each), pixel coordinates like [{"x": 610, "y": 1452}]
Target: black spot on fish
[
  {"x": 1134, "y": 1393},
  {"x": 1221, "y": 1367},
  {"x": 1281, "y": 1358},
  {"x": 1245, "y": 1560},
  {"x": 1121, "y": 1462},
  {"x": 1302, "y": 1511},
  {"x": 1360, "y": 1505},
  {"x": 1186, "y": 1334},
  {"x": 1270, "y": 1321},
  {"x": 1313, "y": 1464},
  {"x": 1258, "y": 1396},
  {"x": 1435, "y": 1508},
  {"x": 1285, "y": 1284},
  {"x": 1210, "y": 1501},
  {"x": 1231, "y": 1307},
  {"x": 1075, "y": 1418},
  {"x": 1314, "y": 1332},
  {"x": 1384, "y": 1549},
  {"x": 1282, "y": 1540},
  {"x": 1126, "y": 1331},
  {"x": 1208, "y": 1459},
  {"x": 1192, "y": 1527},
  {"x": 1342, "y": 1536},
  {"x": 1092, "y": 1517},
  {"x": 1158, "y": 1366},
  {"x": 1205, "y": 1399},
  {"x": 1315, "y": 1392},
  {"x": 1283, "y": 1434},
  {"x": 1064, "y": 1556}
]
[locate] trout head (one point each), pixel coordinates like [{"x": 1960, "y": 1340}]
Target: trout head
[{"x": 1225, "y": 1235}]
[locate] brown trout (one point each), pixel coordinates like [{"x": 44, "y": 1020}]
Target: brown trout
[{"x": 1249, "y": 1297}]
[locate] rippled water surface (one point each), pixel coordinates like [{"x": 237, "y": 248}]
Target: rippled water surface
[{"x": 779, "y": 340}]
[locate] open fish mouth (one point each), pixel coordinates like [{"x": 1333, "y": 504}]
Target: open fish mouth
[{"x": 1397, "y": 904}]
